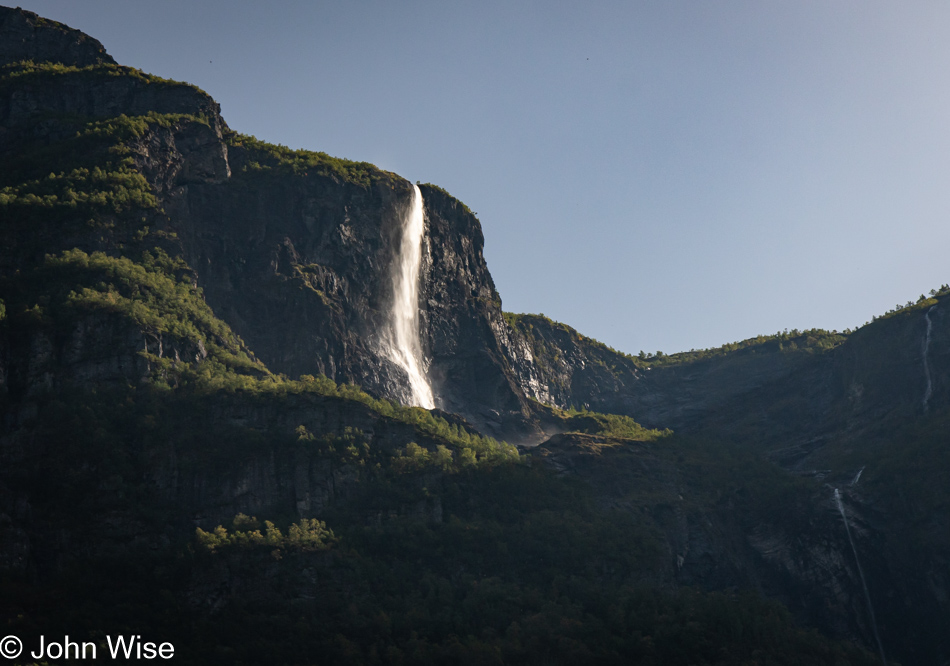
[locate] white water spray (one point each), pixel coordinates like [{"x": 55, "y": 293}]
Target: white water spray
[
  {"x": 867, "y": 595},
  {"x": 926, "y": 348},
  {"x": 400, "y": 340}
]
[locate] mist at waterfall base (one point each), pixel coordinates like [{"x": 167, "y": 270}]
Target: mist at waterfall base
[{"x": 400, "y": 340}]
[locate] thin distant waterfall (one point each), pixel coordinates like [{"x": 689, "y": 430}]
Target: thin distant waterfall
[
  {"x": 857, "y": 477},
  {"x": 401, "y": 343},
  {"x": 867, "y": 595},
  {"x": 928, "y": 391}
]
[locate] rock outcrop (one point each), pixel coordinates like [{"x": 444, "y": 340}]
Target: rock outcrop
[
  {"x": 27, "y": 36},
  {"x": 557, "y": 365}
]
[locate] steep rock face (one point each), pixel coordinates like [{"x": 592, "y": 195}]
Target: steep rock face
[
  {"x": 464, "y": 329},
  {"x": 876, "y": 382},
  {"x": 142, "y": 490},
  {"x": 298, "y": 261},
  {"x": 300, "y": 265},
  {"x": 860, "y": 419},
  {"x": 103, "y": 92},
  {"x": 557, "y": 365},
  {"x": 887, "y": 367},
  {"x": 97, "y": 349},
  {"x": 788, "y": 541},
  {"x": 27, "y": 36}
]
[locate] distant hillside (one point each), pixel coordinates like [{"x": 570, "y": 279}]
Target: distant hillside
[{"x": 559, "y": 366}]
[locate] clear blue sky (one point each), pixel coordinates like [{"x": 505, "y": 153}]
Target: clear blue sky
[{"x": 659, "y": 175}]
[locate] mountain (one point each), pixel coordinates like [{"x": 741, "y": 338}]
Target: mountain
[
  {"x": 559, "y": 366},
  {"x": 863, "y": 412},
  {"x": 273, "y": 236},
  {"x": 204, "y": 438}
]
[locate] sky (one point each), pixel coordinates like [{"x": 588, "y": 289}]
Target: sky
[{"x": 662, "y": 175}]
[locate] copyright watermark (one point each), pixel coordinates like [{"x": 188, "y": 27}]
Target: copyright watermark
[
  {"x": 113, "y": 647},
  {"x": 10, "y": 647}
]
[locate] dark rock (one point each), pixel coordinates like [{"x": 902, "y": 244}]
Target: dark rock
[{"x": 27, "y": 36}]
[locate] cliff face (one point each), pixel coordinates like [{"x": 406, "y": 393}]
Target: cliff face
[
  {"x": 876, "y": 383},
  {"x": 300, "y": 265},
  {"x": 721, "y": 530},
  {"x": 139, "y": 477},
  {"x": 296, "y": 256},
  {"x": 465, "y": 331},
  {"x": 792, "y": 391},
  {"x": 557, "y": 365},
  {"x": 27, "y": 36}
]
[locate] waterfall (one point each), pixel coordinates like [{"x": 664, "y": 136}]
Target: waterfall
[
  {"x": 926, "y": 349},
  {"x": 400, "y": 339},
  {"x": 857, "y": 477},
  {"x": 867, "y": 595}
]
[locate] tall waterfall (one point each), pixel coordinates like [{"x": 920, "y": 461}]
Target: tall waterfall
[
  {"x": 867, "y": 595},
  {"x": 928, "y": 391},
  {"x": 400, "y": 340}
]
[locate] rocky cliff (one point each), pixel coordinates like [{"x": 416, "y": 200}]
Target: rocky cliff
[
  {"x": 293, "y": 250},
  {"x": 299, "y": 264},
  {"x": 27, "y": 36},
  {"x": 557, "y": 365}
]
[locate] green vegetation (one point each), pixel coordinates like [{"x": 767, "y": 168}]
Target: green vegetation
[
  {"x": 305, "y": 535},
  {"x": 28, "y": 72},
  {"x": 90, "y": 176},
  {"x": 154, "y": 296},
  {"x": 449, "y": 196},
  {"x": 350, "y": 446},
  {"x": 111, "y": 191},
  {"x": 613, "y": 426},
  {"x": 922, "y": 303},
  {"x": 283, "y": 161},
  {"x": 520, "y": 566},
  {"x": 814, "y": 340}
]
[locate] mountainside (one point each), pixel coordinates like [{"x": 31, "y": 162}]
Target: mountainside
[
  {"x": 865, "y": 413},
  {"x": 203, "y": 439},
  {"x": 292, "y": 249},
  {"x": 557, "y": 365}
]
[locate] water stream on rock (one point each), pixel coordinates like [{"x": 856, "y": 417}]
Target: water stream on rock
[
  {"x": 857, "y": 476},
  {"x": 867, "y": 595},
  {"x": 400, "y": 341},
  {"x": 926, "y": 349}
]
